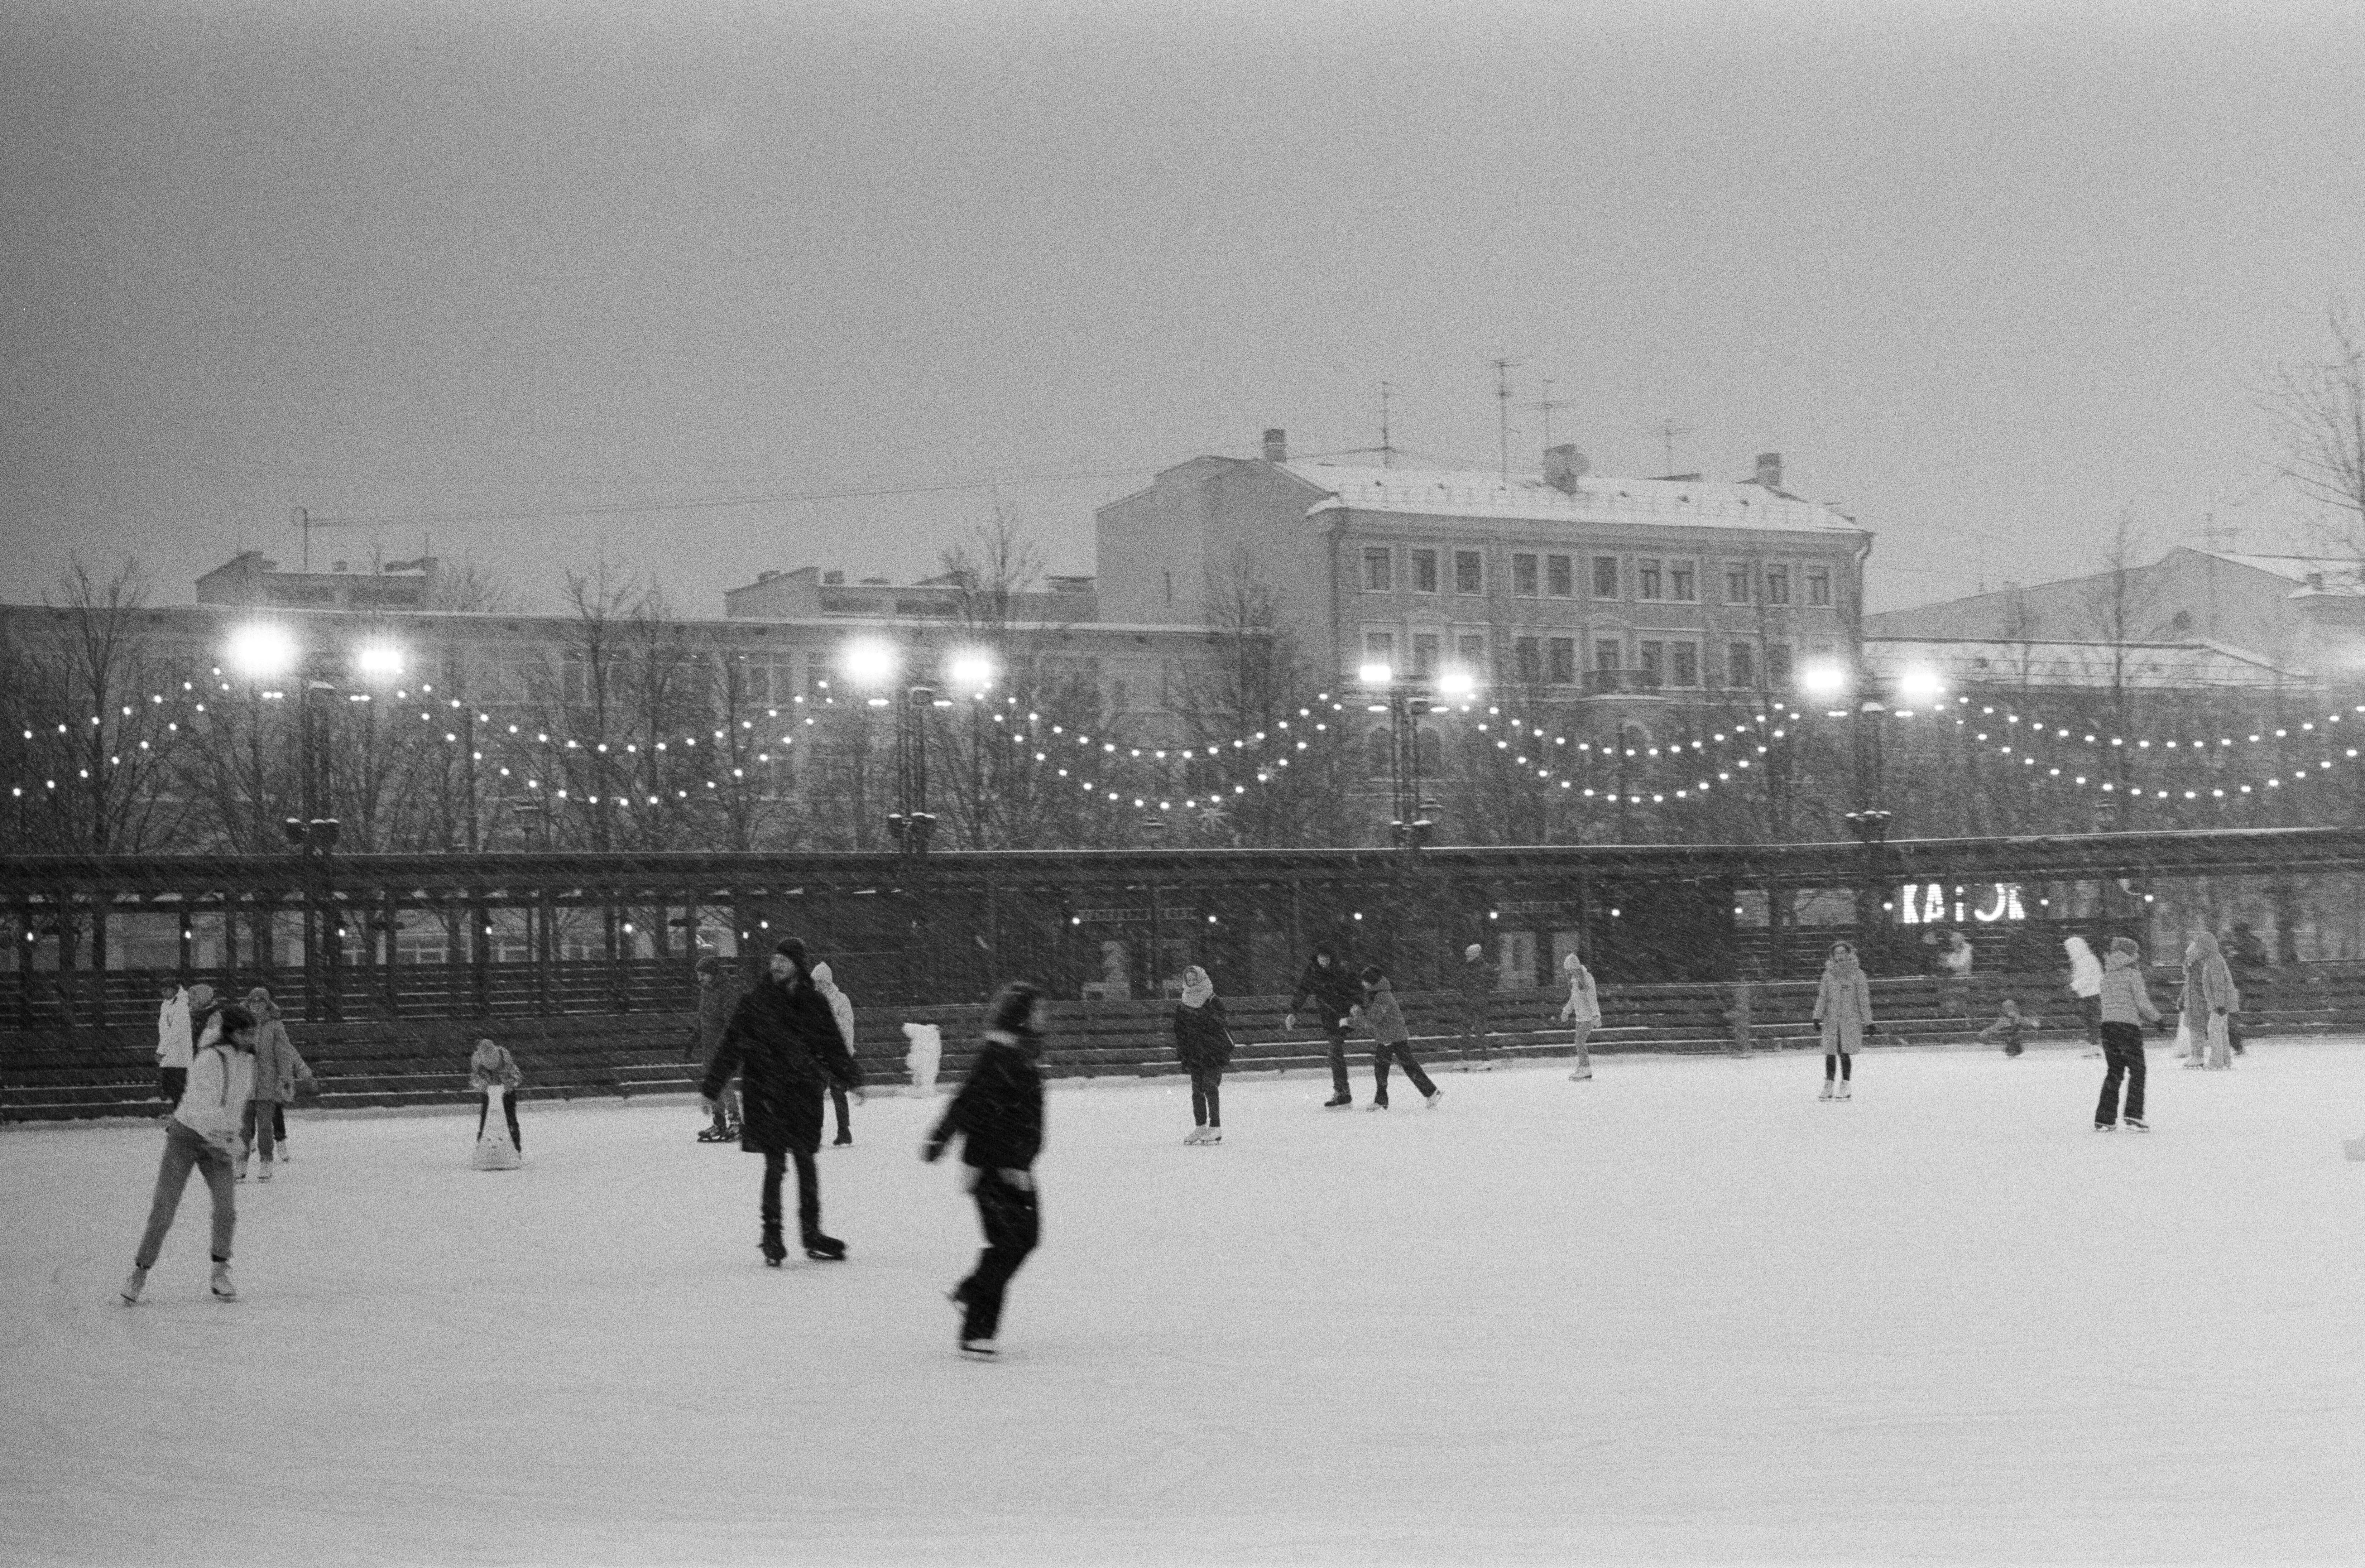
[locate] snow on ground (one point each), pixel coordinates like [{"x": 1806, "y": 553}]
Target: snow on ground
[{"x": 1682, "y": 1313}]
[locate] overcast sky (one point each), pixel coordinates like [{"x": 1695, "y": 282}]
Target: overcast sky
[{"x": 1986, "y": 274}]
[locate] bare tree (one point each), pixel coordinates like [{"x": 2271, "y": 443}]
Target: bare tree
[{"x": 2318, "y": 409}]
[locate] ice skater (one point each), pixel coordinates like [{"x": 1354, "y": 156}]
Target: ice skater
[
  {"x": 2085, "y": 983},
  {"x": 1327, "y": 985},
  {"x": 491, "y": 1064},
  {"x": 174, "y": 1045},
  {"x": 1475, "y": 978},
  {"x": 203, "y": 1136},
  {"x": 279, "y": 1068},
  {"x": 2009, "y": 1028},
  {"x": 783, "y": 1042},
  {"x": 1844, "y": 1008},
  {"x": 1581, "y": 1013},
  {"x": 2245, "y": 959},
  {"x": 719, "y": 992},
  {"x": 2126, "y": 1007},
  {"x": 1391, "y": 1041},
  {"x": 1203, "y": 1043},
  {"x": 841, "y": 1007},
  {"x": 2210, "y": 1000},
  {"x": 999, "y": 1116}
]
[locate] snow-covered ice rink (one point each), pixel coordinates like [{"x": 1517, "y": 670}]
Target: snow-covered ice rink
[{"x": 1682, "y": 1313}]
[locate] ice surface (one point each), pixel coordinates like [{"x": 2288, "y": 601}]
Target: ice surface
[{"x": 1682, "y": 1313}]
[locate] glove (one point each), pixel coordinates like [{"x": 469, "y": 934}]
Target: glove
[{"x": 933, "y": 1151}]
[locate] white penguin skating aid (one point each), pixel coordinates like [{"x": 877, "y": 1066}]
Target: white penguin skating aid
[
  {"x": 927, "y": 1050},
  {"x": 495, "y": 1150}
]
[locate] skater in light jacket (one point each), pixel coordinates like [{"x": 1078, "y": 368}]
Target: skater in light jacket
[
  {"x": 1581, "y": 1012},
  {"x": 2126, "y": 1008},
  {"x": 841, "y": 1007},
  {"x": 277, "y": 1068},
  {"x": 998, "y": 1116},
  {"x": 173, "y": 1044},
  {"x": 1391, "y": 1041},
  {"x": 2086, "y": 985},
  {"x": 1203, "y": 1043},
  {"x": 1843, "y": 1007},
  {"x": 2210, "y": 1001},
  {"x": 202, "y": 1137}
]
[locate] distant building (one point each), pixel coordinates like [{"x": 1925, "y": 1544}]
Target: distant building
[
  {"x": 252, "y": 580},
  {"x": 1570, "y": 585},
  {"x": 2061, "y": 665},
  {"x": 810, "y": 592}
]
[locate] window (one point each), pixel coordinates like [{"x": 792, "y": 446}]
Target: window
[
  {"x": 1564, "y": 660},
  {"x": 1819, "y": 586},
  {"x": 1681, "y": 586},
  {"x": 1683, "y": 668},
  {"x": 1424, "y": 571},
  {"x": 1424, "y": 655},
  {"x": 1379, "y": 754},
  {"x": 1740, "y": 666},
  {"x": 1466, "y": 572},
  {"x": 1648, "y": 579},
  {"x": 1560, "y": 577},
  {"x": 1523, "y": 576},
  {"x": 1736, "y": 582},
  {"x": 1473, "y": 654},
  {"x": 1777, "y": 585},
  {"x": 1527, "y": 659},
  {"x": 1605, "y": 653},
  {"x": 1653, "y": 661},
  {"x": 1777, "y": 665},
  {"x": 1605, "y": 576},
  {"x": 1380, "y": 648},
  {"x": 1379, "y": 573}
]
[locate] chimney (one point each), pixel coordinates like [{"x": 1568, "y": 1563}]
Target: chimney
[
  {"x": 766, "y": 576},
  {"x": 1769, "y": 470},
  {"x": 1563, "y": 466},
  {"x": 833, "y": 579},
  {"x": 1276, "y": 446}
]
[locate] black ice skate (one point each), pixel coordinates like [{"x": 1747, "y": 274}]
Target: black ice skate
[
  {"x": 1338, "y": 1100},
  {"x": 774, "y": 1249},
  {"x": 824, "y": 1248}
]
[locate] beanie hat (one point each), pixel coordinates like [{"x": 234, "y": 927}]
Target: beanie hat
[
  {"x": 1373, "y": 974},
  {"x": 710, "y": 965},
  {"x": 1474, "y": 951}
]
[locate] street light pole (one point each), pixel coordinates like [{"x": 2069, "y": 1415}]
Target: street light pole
[{"x": 912, "y": 824}]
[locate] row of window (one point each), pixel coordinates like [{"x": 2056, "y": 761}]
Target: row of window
[
  {"x": 1553, "y": 660},
  {"x": 1653, "y": 579}
]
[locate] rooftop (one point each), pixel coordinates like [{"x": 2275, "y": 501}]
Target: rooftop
[
  {"x": 2179, "y": 667},
  {"x": 1464, "y": 492}
]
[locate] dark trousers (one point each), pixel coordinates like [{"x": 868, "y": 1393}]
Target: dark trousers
[
  {"x": 2089, "y": 1012},
  {"x": 509, "y": 1104},
  {"x": 1397, "y": 1051},
  {"x": 185, "y": 1151},
  {"x": 837, "y": 1103},
  {"x": 279, "y": 1120},
  {"x": 1013, "y": 1223},
  {"x": 1338, "y": 1039},
  {"x": 255, "y": 1121},
  {"x": 171, "y": 1082},
  {"x": 1476, "y": 1025},
  {"x": 1207, "y": 1096},
  {"x": 2122, "y": 1052},
  {"x": 2233, "y": 1032},
  {"x": 808, "y": 1193}
]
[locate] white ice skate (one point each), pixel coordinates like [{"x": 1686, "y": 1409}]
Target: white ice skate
[
  {"x": 1215, "y": 1135},
  {"x": 241, "y": 1166},
  {"x": 1827, "y": 1094},
  {"x": 1580, "y": 1075},
  {"x": 1844, "y": 1093},
  {"x": 1197, "y": 1135},
  {"x": 495, "y": 1149},
  {"x": 223, "y": 1289},
  {"x": 133, "y": 1286},
  {"x": 1434, "y": 1096},
  {"x": 264, "y": 1174}
]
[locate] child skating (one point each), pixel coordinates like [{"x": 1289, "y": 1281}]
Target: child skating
[
  {"x": 2125, "y": 1008},
  {"x": 1844, "y": 1008},
  {"x": 1581, "y": 1012},
  {"x": 2209, "y": 1002},
  {"x": 1391, "y": 1041},
  {"x": 488, "y": 1065}
]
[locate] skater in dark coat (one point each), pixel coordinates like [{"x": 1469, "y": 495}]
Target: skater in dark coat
[
  {"x": 1334, "y": 995},
  {"x": 719, "y": 993},
  {"x": 1204, "y": 1044},
  {"x": 999, "y": 1115},
  {"x": 784, "y": 1043},
  {"x": 1391, "y": 1041}
]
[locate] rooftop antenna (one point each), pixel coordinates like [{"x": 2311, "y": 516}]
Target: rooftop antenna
[
  {"x": 1546, "y": 408},
  {"x": 1666, "y": 431},
  {"x": 1503, "y": 368},
  {"x": 1388, "y": 448},
  {"x": 304, "y": 526}
]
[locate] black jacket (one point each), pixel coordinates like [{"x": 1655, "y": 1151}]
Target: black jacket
[
  {"x": 1201, "y": 1038},
  {"x": 1334, "y": 988},
  {"x": 999, "y": 1110},
  {"x": 782, "y": 1041}
]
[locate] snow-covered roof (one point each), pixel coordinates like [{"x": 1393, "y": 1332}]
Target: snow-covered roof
[
  {"x": 1463, "y": 492},
  {"x": 2149, "y": 665},
  {"x": 2343, "y": 575}
]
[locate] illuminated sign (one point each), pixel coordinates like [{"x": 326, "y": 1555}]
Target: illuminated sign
[{"x": 1933, "y": 903}]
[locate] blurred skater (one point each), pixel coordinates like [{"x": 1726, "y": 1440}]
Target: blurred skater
[
  {"x": 841, "y": 1007},
  {"x": 1843, "y": 1007},
  {"x": 2085, "y": 983},
  {"x": 1332, "y": 991},
  {"x": 490, "y": 1064},
  {"x": 1474, "y": 980},
  {"x": 1581, "y": 1012},
  {"x": 1391, "y": 1041},
  {"x": 719, "y": 992},
  {"x": 203, "y": 1136},
  {"x": 279, "y": 1068},
  {"x": 998, "y": 1116},
  {"x": 2011, "y": 1026},
  {"x": 174, "y": 1046},
  {"x": 2246, "y": 958},
  {"x": 2210, "y": 999},
  {"x": 1203, "y": 1042},
  {"x": 2126, "y": 1008}
]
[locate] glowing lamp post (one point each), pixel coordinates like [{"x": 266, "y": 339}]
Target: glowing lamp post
[{"x": 1407, "y": 703}]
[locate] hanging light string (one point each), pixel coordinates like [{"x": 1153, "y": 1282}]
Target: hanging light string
[{"x": 1040, "y": 735}]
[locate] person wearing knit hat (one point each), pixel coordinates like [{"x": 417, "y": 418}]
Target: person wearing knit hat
[
  {"x": 1204, "y": 1045},
  {"x": 1475, "y": 978},
  {"x": 719, "y": 991},
  {"x": 841, "y": 1007},
  {"x": 784, "y": 1043}
]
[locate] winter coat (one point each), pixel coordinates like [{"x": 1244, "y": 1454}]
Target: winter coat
[
  {"x": 1843, "y": 1007},
  {"x": 2085, "y": 969},
  {"x": 717, "y": 999},
  {"x": 841, "y": 1007},
  {"x": 488, "y": 1068},
  {"x": 1334, "y": 989},
  {"x": 2208, "y": 986},
  {"x": 1201, "y": 1040},
  {"x": 1475, "y": 981},
  {"x": 2125, "y": 999},
  {"x": 999, "y": 1112},
  {"x": 277, "y": 1064},
  {"x": 783, "y": 1042},
  {"x": 221, "y": 1080},
  {"x": 1383, "y": 1017},
  {"x": 1584, "y": 1004},
  {"x": 174, "y": 1041}
]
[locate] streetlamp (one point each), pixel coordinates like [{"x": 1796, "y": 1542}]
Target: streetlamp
[
  {"x": 1406, "y": 702},
  {"x": 972, "y": 673}
]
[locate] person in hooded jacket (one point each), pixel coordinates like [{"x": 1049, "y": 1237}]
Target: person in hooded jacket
[
  {"x": 2086, "y": 985},
  {"x": 841, "y": 1007},
  {"x": 1844, "y": 1008},
  {"x": 1473, "y": 977},
  {"x": 200, "y": 1137},
  {"x": 998, "y": 1116},
  {"x": 174, "y": 1045},
  {"x": 1391, "y": 1041},
  {"x": 1581, "y": 1012},
  {"x": 490, "y": 1063},
  {"x": 1333, "y": 993},
  {"x": 278, "y": 1067},
  {"x": 784, "y": 1043},
  {"x": 1203, "y": 1042},
  {"x": 719, "y": 992},
  {"x": 2210, "y": 1000},
  {"x": 2126, "y": 1007}
]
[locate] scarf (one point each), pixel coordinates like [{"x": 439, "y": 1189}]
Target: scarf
[{"x": 1197, "y": 989}]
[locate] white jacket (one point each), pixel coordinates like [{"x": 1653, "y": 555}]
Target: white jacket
[
  {"x": 841, "y": 1006},
  {"x": 1584, "y": 1005},
  {"x": 173, "y": 1043},
  {"x": 221, "y": 1080}
]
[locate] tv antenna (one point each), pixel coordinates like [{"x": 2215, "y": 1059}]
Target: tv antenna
[
  {"x": 1388, "y": 447},
  {"x": 1545, "y": 407},
  {"x": 1503, "y": 368},
  {"x": 1668, "y": 430}
]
